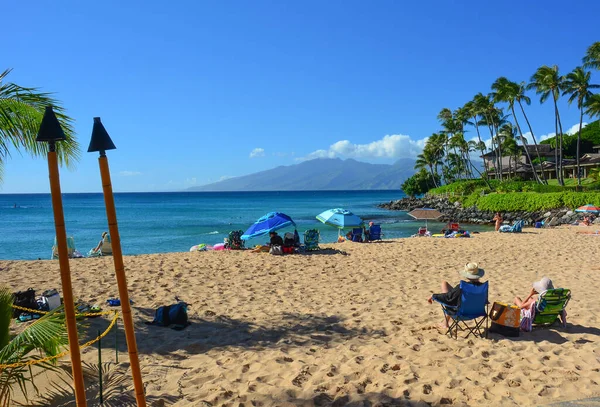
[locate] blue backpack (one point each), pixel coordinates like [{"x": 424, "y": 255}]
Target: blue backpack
[{"x": 174, "y": 316}]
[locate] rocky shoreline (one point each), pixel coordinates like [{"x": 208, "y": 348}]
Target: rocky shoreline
[{"x": 455, "y": 212}]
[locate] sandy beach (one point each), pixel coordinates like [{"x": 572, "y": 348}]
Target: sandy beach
[{"x": 349, "y": 325}]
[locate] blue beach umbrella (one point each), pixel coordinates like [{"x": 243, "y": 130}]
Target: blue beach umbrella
[
  {"x": 268, "y": 223},
  {"x": 340, "y": 218}
]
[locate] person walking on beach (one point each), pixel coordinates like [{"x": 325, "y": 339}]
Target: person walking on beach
[
  {"x": 451, "y": 295},
  {"x": 499, "y": 220}
]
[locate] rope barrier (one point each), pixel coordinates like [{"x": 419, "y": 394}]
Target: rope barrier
[
  {"x": 83, "y": 314},
  {"x": 60, "y": 355}
]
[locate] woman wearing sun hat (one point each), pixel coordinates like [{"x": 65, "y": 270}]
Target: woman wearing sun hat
[
  {"x": 471, "y": 273},
  {"x": 538, "y": 287}
]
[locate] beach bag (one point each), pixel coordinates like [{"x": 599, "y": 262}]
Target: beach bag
[
  {"x": 174, "y": 316},
  {"x": 50, "y": 300},
  {"x": 276, "y": 249},
  {"x": 288, "y": 250},
  {"x": 24, "y": 299},
  {"x": 506, "y": 319}
]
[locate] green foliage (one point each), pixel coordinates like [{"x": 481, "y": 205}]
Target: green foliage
[
  {"x": 533, "y": 201},
  {"x": 419, "y": 183},
  {"x": 47, "y": 336},
  {"x": 590, "y": 136},
  {"x": 462, "y": 187},
  {"x": 21, "y": 112}
]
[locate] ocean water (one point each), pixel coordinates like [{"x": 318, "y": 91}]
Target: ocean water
[{"x": 175, "y": 221}]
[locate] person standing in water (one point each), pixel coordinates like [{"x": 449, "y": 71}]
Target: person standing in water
[{"x": 498, "y": 219}]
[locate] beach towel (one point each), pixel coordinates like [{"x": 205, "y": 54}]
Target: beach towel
[{"x": 527, "y": 315}]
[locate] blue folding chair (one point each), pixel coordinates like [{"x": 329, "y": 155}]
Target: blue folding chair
[
  {"x": 357, "y": 235},
  {"x": 375, "y": 232},
  {"x": 472, "y": 308}
]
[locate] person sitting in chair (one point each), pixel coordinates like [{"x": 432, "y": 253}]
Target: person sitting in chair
[
  {"x": 451, "y": 295},
  {"x": 96, "y": 250},
  {"x": 537, "y": 288},
  {"x": 276, "y": 240}
]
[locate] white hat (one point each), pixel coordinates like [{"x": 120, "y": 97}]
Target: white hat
[
  {"x": 543, "y": 285},
  {"x": 472, "y": 271}
]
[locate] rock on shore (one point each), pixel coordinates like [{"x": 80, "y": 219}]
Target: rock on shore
[{"x": 453, "y": 211}]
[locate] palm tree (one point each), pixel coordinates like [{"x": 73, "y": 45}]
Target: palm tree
[
  {"x": 508, "y": 138},
  {"x": 577, "y": 84},
  {"x": 47, "y": 337},
  {"x": 520, "y": 98},
  {"x": 471, "y": 108},
  {"x": 428, "y": 159},
  {"x": 21, "y": 112},
  {"x": 546, "y": 81},
  {"x": 592, "y": 57},
  {"x": 508, "y": 91},
  {"x": 592, "y": 105}
]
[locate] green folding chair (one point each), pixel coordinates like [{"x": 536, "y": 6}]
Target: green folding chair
[{"x": 550, "y": 306}]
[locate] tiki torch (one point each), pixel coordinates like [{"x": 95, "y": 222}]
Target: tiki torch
[
  {"x": 51, "y": 132},
  {"x": 101, "y": 142}
]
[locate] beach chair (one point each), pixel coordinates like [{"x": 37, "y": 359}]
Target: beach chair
[
  {"x": 550, "y": 305},
  {"x": 234, "y": 240},
  {"x": 423, "y": 232},
  {"x": 553, "y": 221},
  {"x": 471, "y": 313},
  {"x": 375, "y": 232},
  {"x": 357, "y": 235},
  {"x": 517, "y": 227},
  {"x": 106, "y": 248},
  {"x": 311, "y": 240},
  {"x": 454, "y": 226},
  {"x": 71, "y": 250}
]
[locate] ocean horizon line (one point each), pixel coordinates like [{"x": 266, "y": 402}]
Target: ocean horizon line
[{"x": 206, "y": 192}]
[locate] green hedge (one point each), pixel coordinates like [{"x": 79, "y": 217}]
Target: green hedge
[{"x": 531, "y": 201}]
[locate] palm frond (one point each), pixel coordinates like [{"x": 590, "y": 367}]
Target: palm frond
[
  {"x": 6, "y": 302},
  {"x": 21, "y": 112}
]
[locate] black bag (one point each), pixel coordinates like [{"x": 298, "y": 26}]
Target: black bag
[
  {"x": 174, "y": 315},
  {"x": 25, "y": 299}
]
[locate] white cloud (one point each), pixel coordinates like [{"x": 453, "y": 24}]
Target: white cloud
[
  {"x": 575, "y": 128},
  {"x": 129, "y": 173},
  {"x": 390, "y": 146},
  {"x": 224, "y": 177},
  {"x": 257, "y": 152},
  {"x": 190, "y": 181}
]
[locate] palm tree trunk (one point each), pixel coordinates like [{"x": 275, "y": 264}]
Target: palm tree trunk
[
  {"x": 578, "y": 143},
  {"x": 535, "y": 175},
  {"x": 537, "y": 151},
  {"x": 432, "y": 176},
  {"x": 497, "y": 129},
  {"x": 562, "y": 179},
  {"x": 485, "y": 166},
  {"x": 556, "y": 164}
]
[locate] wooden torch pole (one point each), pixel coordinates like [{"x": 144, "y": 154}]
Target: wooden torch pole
[
  {"x": 113, "y": 229},
  {"x": 65, "y": 276}
]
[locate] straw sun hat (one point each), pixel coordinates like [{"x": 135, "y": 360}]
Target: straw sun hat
[
  {"x": 544, "y": 284},
  {"x": 472, "y": 271}
]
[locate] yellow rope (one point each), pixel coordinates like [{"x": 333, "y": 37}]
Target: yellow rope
[
  {"x": 84, "y": 314},
  {"x": 60, "y": 355}
]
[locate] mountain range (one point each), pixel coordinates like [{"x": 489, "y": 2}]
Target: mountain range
[{"x": 320, "y": 174}]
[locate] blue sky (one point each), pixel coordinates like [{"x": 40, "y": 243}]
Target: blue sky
[{"x": 195, "y": 91}]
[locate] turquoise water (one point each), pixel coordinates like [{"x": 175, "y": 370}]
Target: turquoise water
[{"x": 175, "y": 221}]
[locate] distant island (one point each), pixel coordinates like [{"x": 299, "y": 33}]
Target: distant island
[{"x": 321, "y": 174}]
